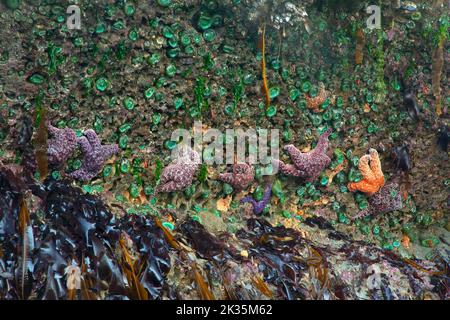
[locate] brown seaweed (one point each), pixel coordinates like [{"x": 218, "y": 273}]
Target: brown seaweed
[
  {"x": 265, "y": 85},
  {"x": 278, "y": 263},
  {"x": 202, "y": 287},
  {"x": 137, "y": 291},
  {"x": 169, "y": 237},
  {"x": 262, "y": 286},
  {"x": 360, "y": 41},
  {"x": 438, "y": 64},
  {"x": 24, "y": 269},
  {"x": 318, "y": 269},
  {"x": 77, "y": 227},
  {"x": 40, "y": 140},
  {"x": 86, "y": 284},
  {"x": 206, "y": 244}
]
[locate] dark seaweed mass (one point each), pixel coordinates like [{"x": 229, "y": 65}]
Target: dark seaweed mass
[
  {"x": 69, "y": 227},
  {"x": 75, "y": 227}
]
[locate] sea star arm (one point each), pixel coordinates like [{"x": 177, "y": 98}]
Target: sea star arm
[
  {"x": 51, "y": 129},
  {"x": 167, "y": 187},
  {"x": 250, "y": 200},
  {"x": 364, "y": 167},
  {"x": 361, "y": 214},
  {"x": 296, "y": 155},
  {"x": 267, "y": 193},
  {"x": 82, "y": 174},
  {"x": 52, "y": 154},
  {"x": 322, "y": 144},
  {"x": 289, "y": 169},
  {"x": 163, "y": 179},
  {"x": 92, "y": 138},
  {"x": 227, "y": 177},
  {"x": 362, "y": 186},
  {"x": 372, "y": 181},
  {"x": 109, "y": 150},
  {"x": 175, "y": 177},
  {"x": 169, "y": 173},
  {"x": 375, "y": 163},
  {"x": 240, "y": 178},
  {"x": 84, "y": 145},
  {"x": 166, "y": 180},
  {"x": 249, "y": 169},
  {"x": 259, "y": 207}
]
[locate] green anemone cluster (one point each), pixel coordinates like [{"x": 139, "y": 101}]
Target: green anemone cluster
[{"x": 134, "y": 75}]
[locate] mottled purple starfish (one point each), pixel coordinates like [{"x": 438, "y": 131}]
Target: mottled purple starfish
[
  {"x": 259, "y": 206},
  {"x": 95, "y": 155},
  {"x": 61, "y": 144},
  {"x": 241, "y": 177},
  {"x": 307, "y": 165},
  {"x": 387, "y": 199},
  {"x": 180, "y": 173}
]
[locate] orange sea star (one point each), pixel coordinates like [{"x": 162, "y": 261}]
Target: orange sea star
[{"x": 373, "y": 178}]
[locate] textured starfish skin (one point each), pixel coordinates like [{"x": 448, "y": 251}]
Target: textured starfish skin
[
  {"x": 180, "y": 173},
  {"x": 290, "y": 170},
  {"x": 373, "y": 178},
  {"x": 241, "y": 177},
  {"x": 61, "y": 144},
  {"x": 95, "y": 155},
  {"x": 259, "y": 206},
  {"x": 386, "y": 200},
  {"x": 307, "y": 165}
]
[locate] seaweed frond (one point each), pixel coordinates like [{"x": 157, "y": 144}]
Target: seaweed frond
[
  {"x": 202, "y": 286},
  {"x": 40, "y": 141},
  {"x": 263, "y": 66},
  {"x": 24, "y": 267}
]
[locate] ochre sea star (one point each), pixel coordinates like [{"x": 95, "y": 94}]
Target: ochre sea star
[
  {"x": 61, "y": 144},
  {"x": 259, "y": 206},
  {"x": 241, "y": 177},
  {"x": 386, "y": 200},
  {"x": 180, "y": 173},
  {"x": 95, "y": 155},
  {"x": 373, "y": 178},
  {"x": 307, "y": 165}
]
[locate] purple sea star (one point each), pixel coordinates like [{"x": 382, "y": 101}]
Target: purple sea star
[
  {"x": 61, "y": 144},
  {"x": 95, "y": 154},
  {"x": 241, "y": 177},
  {"x": 307, "y": 165},
  {"x": 180, "y": 173},
  {"x": 259, "y": 206},
  {"x": 386, "y": 200}
]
